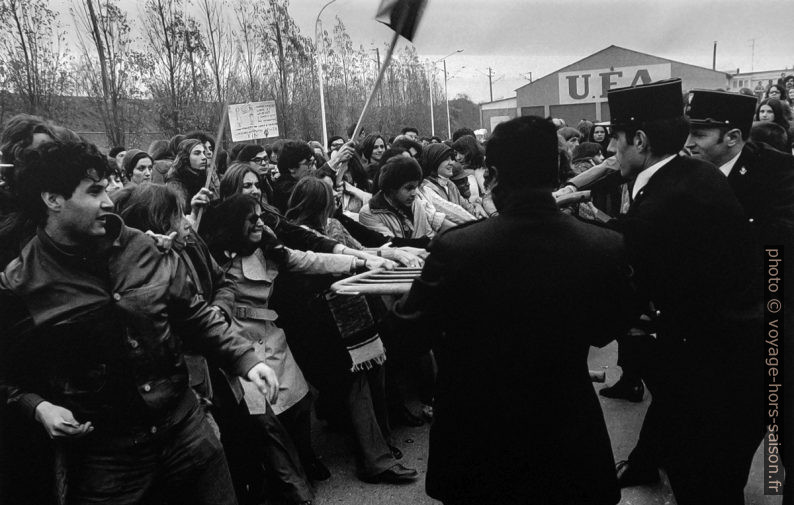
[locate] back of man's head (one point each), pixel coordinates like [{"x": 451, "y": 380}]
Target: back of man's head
[
  {"x": 202, "y": 136},
  {"x": 524, "y": 153},
  {"x": 56, "y": 167},
  {"x": 292, "y": 153},
  {"x": 462, "y": 132},
  {"x": 403, "y": 142},
  {"x": 769, "y": 133}
]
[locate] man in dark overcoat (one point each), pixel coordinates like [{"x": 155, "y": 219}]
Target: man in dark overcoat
[
  {"x": 512, "y": 305},
  {"x": 762, "y": 178},
  {"x": 688, "y": 242}
]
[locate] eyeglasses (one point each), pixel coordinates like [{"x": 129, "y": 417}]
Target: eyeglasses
[
  {"x": 774, "y": 92},
  {"x": 270, "y": 219},
  {"x": 337, "y": 145},
  {"x": 308, "y": 163},
  {"x": 261, "y": 161}
]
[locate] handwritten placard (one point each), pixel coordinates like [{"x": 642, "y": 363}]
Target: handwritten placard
[{"x": 253, "y": 120}]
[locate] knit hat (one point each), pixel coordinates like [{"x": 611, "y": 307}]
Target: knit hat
[
  {"x": 432, "y": 157},
  {"x": 131, "y": 159},
  {"x": 397, "y": 171}
]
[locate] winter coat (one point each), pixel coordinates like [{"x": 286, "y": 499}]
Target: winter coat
[
  {"x": 107, "y": 328},
  {"x": 248, "y": 291}
]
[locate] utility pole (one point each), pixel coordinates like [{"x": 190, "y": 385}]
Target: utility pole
[
  {"x": 446, "y": 98},
  {"x": 752, "y": 55},
  {"x": 714, "y": 57},
  {"x": 490, "y": 82}
]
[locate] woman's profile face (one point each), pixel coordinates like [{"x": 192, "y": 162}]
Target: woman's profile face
[
  {"x": 765, "y": 113},
  {"x": 198, "y": 157}
]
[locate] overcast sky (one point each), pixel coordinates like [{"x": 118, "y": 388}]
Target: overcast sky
[{"x": 516, "y": 37}]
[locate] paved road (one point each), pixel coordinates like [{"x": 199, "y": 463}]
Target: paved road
[{"x": 623, "y": 421}]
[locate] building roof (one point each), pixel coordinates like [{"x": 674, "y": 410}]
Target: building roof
[{"x": 614, "y": 47}]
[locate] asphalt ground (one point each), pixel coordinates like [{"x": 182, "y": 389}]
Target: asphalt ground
[{"x": 623, "y": 420}]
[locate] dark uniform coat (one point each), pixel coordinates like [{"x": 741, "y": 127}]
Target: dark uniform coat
[
  {"x": 687, "y": 239},
  {"x": 763, "y": 181},
  {"x": 514, "y": 304}
]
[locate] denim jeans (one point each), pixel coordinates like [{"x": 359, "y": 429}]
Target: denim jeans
[{"x": 184, "y": 464}]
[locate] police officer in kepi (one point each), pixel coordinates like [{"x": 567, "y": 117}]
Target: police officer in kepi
[
  {"x": 689, "y": 243},
  {"x": 762, "y": 178}
]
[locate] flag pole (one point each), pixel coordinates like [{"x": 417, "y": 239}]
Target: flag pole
[
  {"x": 377, "y": 84},
  {"x": 213, "y": 160}
]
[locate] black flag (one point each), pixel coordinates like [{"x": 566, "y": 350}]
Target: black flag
[{"x": 402, "y": 16}]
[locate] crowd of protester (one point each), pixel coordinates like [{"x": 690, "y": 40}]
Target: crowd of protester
[
  {"x": 258, "y": 232},
  {"x": 261, "y": 239}
]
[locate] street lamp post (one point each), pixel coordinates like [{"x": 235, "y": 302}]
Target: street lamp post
[
  {"x": 446, "y": 96},
  {"x": 432, "y": 120},
  {"x": 317, "y": 32}
]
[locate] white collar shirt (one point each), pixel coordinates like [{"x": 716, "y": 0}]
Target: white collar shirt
[{"x": 644, "y": 176}]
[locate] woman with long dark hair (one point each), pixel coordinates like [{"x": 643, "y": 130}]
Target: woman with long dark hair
[
  {"x": 358, "y": 392},
  {"x": 471, "y": 157},
  {"x": 775, "y": 111},
  {"x": 372, "y": 149},
  {"x": 188, "y": 174},
  {"x": 600, "y": 135},
  {"x": 253, "y": 257}
]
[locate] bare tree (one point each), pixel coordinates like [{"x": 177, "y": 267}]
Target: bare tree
[
  {"x": 33, "y": 55},
  {"x": 108, "y": 66},
  {"x": 252, "y": 81},
  {"x": 164, "y": 25}
]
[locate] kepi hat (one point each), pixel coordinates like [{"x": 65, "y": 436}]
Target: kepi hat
[
  {"x": 634, "y": 105},
  {"x": 716, "y": 109}
]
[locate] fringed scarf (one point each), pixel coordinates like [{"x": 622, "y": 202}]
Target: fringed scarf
[{"x": 357, "y": 330}]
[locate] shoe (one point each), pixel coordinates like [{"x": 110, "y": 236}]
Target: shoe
[
  {"x": 625, "y": 389},
  {"x": 404, "y": 417},
  {"x": 397, "y": 453},
  {"x": 635, "y": 475},
  {"x": 397, "y": 474},
  {"x": 317, "y": 471}
]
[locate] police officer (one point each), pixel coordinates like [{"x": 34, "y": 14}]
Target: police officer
[{"x": 687, "y": 240}]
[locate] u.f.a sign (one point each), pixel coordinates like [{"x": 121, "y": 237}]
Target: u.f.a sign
[{"x": 587, "y": 86}]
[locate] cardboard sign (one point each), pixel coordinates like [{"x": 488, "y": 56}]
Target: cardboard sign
[
  {"x": 253, "y": 120},
  {"x": 588, "y": 86}
]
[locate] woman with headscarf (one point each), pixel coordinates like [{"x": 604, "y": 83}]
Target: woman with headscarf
[
  {"x": 137, "y": 166},
  {"x": 437, "y": 168}
]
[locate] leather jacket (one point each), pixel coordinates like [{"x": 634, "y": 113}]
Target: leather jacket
[{"x": 105, "y": 328}]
